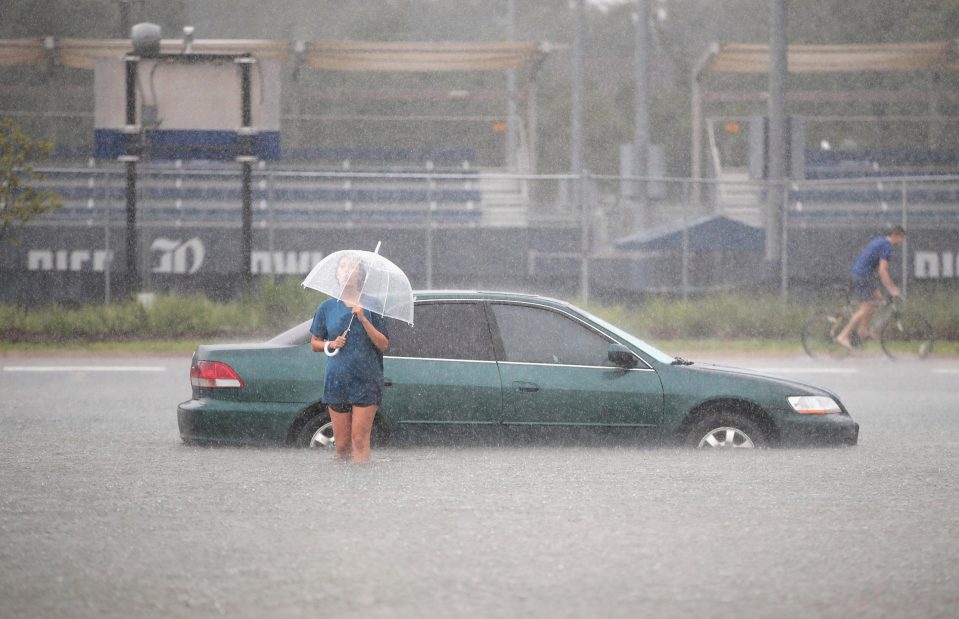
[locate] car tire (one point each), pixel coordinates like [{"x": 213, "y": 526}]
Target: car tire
[
  {"x": 725, "y": 430},
  {"x": 317, "y": 433}
]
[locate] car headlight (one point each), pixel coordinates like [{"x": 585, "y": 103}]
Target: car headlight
[{"x": 813, "y": 404}]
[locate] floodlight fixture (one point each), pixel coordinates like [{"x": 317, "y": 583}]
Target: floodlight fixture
[{"x": 146, "y": 40}]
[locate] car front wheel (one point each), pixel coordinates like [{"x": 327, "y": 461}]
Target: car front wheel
[{"x": 726, "y": 431}]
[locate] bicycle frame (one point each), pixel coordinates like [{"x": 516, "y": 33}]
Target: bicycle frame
[{"x": 902, "y": 335}]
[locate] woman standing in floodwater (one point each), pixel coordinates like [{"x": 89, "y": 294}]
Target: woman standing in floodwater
[{"x": 353, "y": 386}]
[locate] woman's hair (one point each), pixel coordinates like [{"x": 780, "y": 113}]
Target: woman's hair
[{"x": 358, "y": 267}]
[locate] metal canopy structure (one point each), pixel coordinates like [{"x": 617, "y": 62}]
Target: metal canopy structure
[
  {"x": 426, "y": 57},
  {"x": 753, "y": 58},
  {"x": 419, "y": 57},
  {"x": 83, "y": 53},
  {"x": 343, "y": 56}
]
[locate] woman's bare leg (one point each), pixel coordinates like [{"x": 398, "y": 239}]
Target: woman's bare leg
[
  {"x": 342, "y": 433},
  {"x": 362, "y": 427}
]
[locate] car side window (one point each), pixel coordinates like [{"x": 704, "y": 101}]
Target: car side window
[
  {"x": 538, "y": 335},
  {"x": 443, "y": 331}
]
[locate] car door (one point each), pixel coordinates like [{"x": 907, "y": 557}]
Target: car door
[
  {"x": 555, "y": 371},
  {"x": 443, "y": 369}
]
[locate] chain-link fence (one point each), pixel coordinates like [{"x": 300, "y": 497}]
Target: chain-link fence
[{"x": 462, "y": 227}]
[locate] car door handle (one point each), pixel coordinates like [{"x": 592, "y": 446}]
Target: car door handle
[
  {"x": 525, "y": 387},
  {"x": 387, "y": 383}
]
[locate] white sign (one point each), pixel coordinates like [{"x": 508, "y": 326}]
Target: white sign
[
  {"x": 64, "y": 260},
  {"x": 177, "y": 256},
  {"x": 936, "y": 265}
]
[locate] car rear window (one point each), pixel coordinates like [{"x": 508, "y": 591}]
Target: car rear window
[
  {"x": 443, "y": 330},
  {"x": 294, "y": 336}
]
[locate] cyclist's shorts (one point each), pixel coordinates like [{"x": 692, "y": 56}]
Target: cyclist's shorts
[{"x": 866, "y": 287}]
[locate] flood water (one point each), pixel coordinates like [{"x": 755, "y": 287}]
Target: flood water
[{"x": 104, "y": 513}]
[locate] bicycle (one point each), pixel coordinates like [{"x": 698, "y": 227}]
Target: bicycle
[{"x": 903, "y": 334}]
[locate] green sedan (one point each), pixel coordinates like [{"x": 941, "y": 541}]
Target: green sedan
[{"x": 492, "y": 363}]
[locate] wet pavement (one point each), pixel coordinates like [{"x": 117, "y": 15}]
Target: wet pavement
[{"x": 104, "y": 513}]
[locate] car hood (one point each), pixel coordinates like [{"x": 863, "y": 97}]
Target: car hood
[{"x": 793, "y": 387}]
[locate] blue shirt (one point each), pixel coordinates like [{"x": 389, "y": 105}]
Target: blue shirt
[
  {"x": 355, "y": 374},
  {"x": 866, "y": 265}
]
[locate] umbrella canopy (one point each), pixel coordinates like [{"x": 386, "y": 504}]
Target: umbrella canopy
[{"x": 383, "y": 286}]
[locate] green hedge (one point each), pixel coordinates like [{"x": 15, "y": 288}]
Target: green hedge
[
  {"x": 739, "y": 316},
  {"x": 277, "y": 306},
  {"x": 272, "y": 308}
]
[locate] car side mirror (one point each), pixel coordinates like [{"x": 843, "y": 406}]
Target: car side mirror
[{"x": 621, "y": 356}]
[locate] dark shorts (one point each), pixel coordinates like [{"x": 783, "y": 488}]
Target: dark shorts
[
  {"x": 346, "y": 408},
  {"x": 866, "y": 287}
]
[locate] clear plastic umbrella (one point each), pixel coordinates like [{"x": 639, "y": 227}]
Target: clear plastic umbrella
[{"x": 381, "y": 287}]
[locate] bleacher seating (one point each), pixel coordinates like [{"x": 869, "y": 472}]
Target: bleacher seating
[
  {"x": 832, "y": 164},
  {"x": 310, "y": 187},
  {"x": 871, "y": 186},
  {"x": 444, "y": 157}
]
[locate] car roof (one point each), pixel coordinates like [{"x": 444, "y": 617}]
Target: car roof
[{"x": 483, "y": 295}]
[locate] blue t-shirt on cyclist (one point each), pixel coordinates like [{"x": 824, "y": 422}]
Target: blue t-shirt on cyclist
[{"x": 867, "y": 264}]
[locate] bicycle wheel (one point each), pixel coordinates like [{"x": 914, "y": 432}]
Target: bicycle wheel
[
  {"x": 907, "y": 335},
  {"x": 818, "y": 336}
]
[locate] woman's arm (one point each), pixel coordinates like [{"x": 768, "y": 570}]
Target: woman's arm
[
  {"x": 379, "y": 340},
  {"x": 318, "y": 345}
]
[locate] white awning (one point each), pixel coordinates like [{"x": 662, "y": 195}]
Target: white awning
[
  {"x": 754, "y": 58},
  {"x": 320, "y": 55}
]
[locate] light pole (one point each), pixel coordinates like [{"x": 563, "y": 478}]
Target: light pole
[
  {"x": 641, "y": 112},
  {"x": 778, "y": 67},
  {"x": 576, "y": 154},
  {"x": 511, "y": 119}
]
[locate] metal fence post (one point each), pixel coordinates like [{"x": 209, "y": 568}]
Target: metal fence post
[
  {"x": 581, "y": 180},
  {"x": 108, "y": 258},
  {"x": 685, "y": 257},
  {"x": 784, "y": 250},
  {"x": 271, "y": 232},
  {"x": 246, "y": 134},
  {"x": 429, "y": 235},
  {"x": 131, "y": 155},
  {"x": 905, "y": 241}
]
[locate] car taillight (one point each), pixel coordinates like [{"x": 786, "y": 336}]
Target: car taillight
[{"x": 214, "y": 375}]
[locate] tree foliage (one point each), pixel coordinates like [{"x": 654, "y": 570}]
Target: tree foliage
[{"x": 20, "y": 200}]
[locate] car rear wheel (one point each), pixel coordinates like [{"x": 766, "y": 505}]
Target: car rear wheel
[
  {"x": 317, "y": 433},
  {"x": 726, "y": 431}
]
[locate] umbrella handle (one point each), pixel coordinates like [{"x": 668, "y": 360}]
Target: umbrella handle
[{"x": 336, "y": 351}]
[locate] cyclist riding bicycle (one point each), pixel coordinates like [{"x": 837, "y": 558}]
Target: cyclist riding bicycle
[{"x": 869, "y": 271}]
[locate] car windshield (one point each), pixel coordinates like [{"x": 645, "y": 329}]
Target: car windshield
[{"x": 629, "y": 338}]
